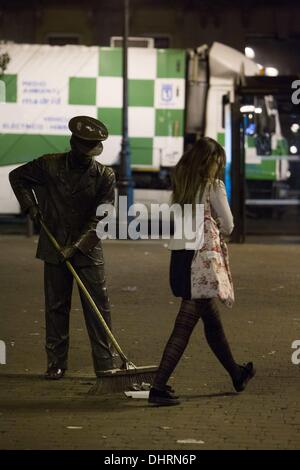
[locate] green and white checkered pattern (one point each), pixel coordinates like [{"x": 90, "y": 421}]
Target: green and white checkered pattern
[{"x": 48, "y": 85}]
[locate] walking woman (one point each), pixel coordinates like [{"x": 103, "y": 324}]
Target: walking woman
[{"x": 197, "y": 179}]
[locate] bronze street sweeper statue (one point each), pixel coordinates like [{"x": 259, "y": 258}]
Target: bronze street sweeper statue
[{"x": 69, "y": 187}]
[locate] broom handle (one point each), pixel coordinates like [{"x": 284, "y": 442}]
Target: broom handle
[{"x": 88, "y": 297}]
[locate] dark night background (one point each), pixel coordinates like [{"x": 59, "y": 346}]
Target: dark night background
[{"x": 272, "y": 28}]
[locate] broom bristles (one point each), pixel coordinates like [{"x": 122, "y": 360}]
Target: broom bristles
[{"x": 121, "y": 380}]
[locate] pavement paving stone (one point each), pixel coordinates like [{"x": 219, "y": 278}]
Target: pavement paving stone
[{"x": 35, "y": 414}]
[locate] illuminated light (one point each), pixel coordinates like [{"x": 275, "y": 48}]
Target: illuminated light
[
  {"x": 247, "y": 108},
  {"x": 250, "y": 116},
  {"x": 293, "y": 149},
  {"x": 249, "y": 52},
  {"x": 258, "y": 110},
  {"x": 271, "y": 71},
  {"x": 295, "y": 127}
]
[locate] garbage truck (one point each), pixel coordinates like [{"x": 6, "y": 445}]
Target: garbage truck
[{"x": 175, "y": 96}]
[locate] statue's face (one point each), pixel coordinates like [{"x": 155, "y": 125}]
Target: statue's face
[{"x": 86, "y": 148}]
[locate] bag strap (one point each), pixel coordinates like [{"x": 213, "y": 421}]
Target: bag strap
[{"x": 207, "y": 198}]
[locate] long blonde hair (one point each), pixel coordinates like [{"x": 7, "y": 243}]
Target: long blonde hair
[{"x": 194, "y": 170}]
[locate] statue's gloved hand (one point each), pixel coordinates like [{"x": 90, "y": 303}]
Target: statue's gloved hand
[
  {"x": 67, "y": 252},
  {"x": 35, "y": 215}
]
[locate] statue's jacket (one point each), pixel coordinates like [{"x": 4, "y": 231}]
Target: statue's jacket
[{"x": 68, "y": 202}]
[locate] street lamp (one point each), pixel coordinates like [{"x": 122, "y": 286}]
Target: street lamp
[{"x": 125, "y": 183}]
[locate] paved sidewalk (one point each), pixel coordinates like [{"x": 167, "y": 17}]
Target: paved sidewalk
[{"x": 265, "y": 320}]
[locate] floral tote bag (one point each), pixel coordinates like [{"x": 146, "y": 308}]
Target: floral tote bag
[{"x": 210, "y": 271}]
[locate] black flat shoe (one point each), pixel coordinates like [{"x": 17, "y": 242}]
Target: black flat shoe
[
  {"x": 172, "y": 391},
  {"x": 247, "y": 372},
  {"x": 54, "y": 373},
  {"x": 162, "y": 398}
]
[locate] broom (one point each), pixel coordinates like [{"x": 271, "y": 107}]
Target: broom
[{"x": 129, "y": 376}]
